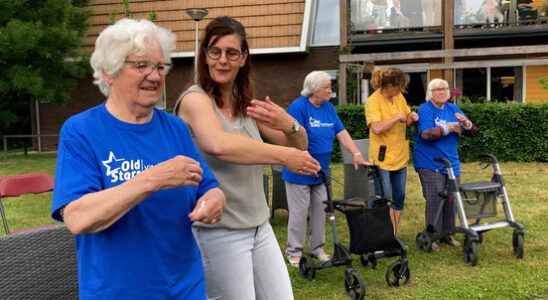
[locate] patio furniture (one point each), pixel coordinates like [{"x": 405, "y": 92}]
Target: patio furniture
[
  {"x": 38, "y": 264},
  {"x": 17, "y": 185}
]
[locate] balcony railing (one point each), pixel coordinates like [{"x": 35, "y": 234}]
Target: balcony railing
[{"x": 383, "y": 16}]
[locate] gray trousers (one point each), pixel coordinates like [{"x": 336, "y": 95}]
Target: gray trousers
[
  {"x": 305, "y": 201},
  {"x": 432, "y": 184},
  {"x": 243, "y": 264}
]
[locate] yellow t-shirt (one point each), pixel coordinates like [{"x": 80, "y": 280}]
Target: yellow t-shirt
[{"x": 378, "y": 108}]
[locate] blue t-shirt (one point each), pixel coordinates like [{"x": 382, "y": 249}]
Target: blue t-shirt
[
  {"x": 322, "y": 124},
  {"x": 447, "y": 146},
  {"x": 150, "y": 252}
]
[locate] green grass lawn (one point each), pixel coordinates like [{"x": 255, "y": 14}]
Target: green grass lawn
[{"x": 441, "y": 275}]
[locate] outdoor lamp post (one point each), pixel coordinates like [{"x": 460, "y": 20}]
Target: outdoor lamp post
[{"x": 197, "y": 14}]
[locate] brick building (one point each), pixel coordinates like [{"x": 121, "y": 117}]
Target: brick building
[{"x": 288, "y": 39}]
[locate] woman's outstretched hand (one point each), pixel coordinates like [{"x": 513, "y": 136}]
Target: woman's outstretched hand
[{"x": 270, "y": 114}]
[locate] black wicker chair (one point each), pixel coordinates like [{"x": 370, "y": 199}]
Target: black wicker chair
[
  {"x": 279, "y": 197},
  {"x": 38, "y": 264}
]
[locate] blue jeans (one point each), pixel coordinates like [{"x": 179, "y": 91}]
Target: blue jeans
[{"x": 393, "y": 186}]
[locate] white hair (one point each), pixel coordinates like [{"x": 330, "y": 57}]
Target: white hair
[
  {"x": 435, "y": 84},
  {"x": 123, "y": 38},
  {"x": 313, "y": 82}
]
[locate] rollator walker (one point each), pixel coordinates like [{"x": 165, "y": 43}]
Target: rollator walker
[{"x": 476, "y": 200}]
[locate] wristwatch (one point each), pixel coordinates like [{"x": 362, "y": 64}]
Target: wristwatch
[{"x": 295, "y": 127}]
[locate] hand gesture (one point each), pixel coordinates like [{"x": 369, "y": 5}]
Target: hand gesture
[
  {"x": 463, "y": 120},
  {"x": 460, "y": 117},
  {"x": 178, "y": 171},
  {"x": 270, "y": 114},
  {"x": 456, "y": 128},
  {"x": 401, "y": 117},
  {"x": 413, "y": 117},
  {"x": 301, "y": 162},
  {"x": 358, "y": 160},
  {"x": 209, "y": 208}
]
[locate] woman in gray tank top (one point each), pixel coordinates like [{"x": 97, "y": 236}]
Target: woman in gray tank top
[{"x": 242, "y": 258}]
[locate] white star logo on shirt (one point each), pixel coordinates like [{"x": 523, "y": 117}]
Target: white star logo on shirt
[{"x": 111, "y": 160}]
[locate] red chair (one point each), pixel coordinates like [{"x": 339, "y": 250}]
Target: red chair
[{"x": 17, "y": 185}]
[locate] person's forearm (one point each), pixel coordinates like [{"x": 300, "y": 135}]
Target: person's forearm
[
  {"x": 298, "y": 140},
  {"x": 97, "y": 211},
  {"x": 382, "y": 126},
  {"x": 244, "y": 150},
  {"x": 345, "y": 140}
]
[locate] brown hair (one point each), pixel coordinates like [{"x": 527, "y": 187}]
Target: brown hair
[
  {"x": 242, "y": 91},
  {"x": 389, "y": 77}
]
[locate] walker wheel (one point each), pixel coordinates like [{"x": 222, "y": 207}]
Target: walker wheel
[
  {"x": 470, "y": 252},
  {"x": 517, "y": 244},
  {"x": 354, "y": 284},
  {"x": 305, "y": 269},
  {"x": 397, "y": 274},
  {"x": 423, "y": 242}
]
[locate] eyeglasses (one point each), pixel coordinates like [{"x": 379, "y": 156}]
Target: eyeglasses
[
  {"x": 146, "y": 67},
  {"x": 440, "y": 89},
  {"x": 230, "y": 53}
]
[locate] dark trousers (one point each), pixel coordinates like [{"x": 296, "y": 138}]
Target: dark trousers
[{"x": 432, "y": 184}]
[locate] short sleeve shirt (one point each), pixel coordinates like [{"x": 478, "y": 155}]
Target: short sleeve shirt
[
  {"x": 150, "y": 252},
  {"x": 377, "y": 109}
]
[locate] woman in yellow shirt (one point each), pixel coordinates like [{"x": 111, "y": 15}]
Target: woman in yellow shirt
[{"x": 387, "y": 115}]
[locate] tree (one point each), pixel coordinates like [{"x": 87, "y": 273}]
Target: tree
[{"x": 40, "y": 58}]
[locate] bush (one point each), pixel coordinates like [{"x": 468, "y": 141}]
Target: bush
[{"x": 512, "y": 132}]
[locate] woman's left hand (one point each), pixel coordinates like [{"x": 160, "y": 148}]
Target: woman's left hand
[
  {"x": 467, "y": 124},
  {"x": 413, "y": 117},
  {"x": 209, "y": 208},
  {"x": 270, "y": 114},
  {"x": 358, "y": 160}
]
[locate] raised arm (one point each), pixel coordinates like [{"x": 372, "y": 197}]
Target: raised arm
[
  {"x": 276, "y": 125},
  {"x": 198, "y": 112}
]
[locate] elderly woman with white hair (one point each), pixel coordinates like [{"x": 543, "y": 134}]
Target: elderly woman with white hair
[
  {"x": 129, "y": 180},
  {"x": 440, "y": 124},
  {"x": 306, "y": 193}
]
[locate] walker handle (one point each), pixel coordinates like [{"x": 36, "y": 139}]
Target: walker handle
[{"x": 488, "y": 157}]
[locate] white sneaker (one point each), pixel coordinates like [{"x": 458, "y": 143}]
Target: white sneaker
[
  {"x": 321, "y": 255},
  {"x": 294, "y": 260}
]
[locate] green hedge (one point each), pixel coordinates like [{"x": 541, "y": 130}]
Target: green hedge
[{"x": 512, "y": 132}]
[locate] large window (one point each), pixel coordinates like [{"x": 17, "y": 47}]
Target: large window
[
  {"x": 473, "y": 83},
  {"x": 326, "y": 25},
  {"x": 416, "y": 90},
  {"x": 497, "y": 11},
  {"x": 506, "y": 84},
  {"x": 500, "y": 84},
  {"x": 376, "y": 15}
]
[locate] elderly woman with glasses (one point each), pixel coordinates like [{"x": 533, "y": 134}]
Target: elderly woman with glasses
[
  {"x": 129, "y": 180},
  {"x": 242, "y": 258},
  {"x": 440, "y": 124}
]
